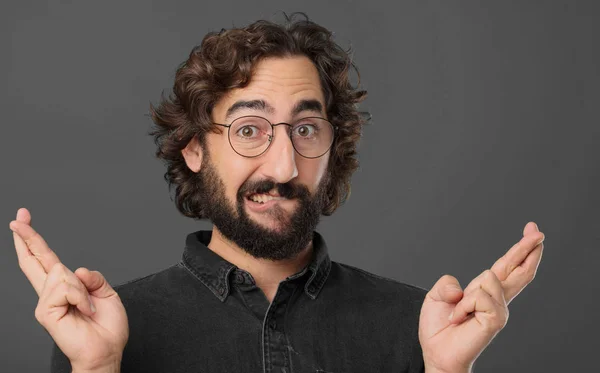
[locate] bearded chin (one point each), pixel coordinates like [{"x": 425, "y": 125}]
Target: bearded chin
[{"x": 293, "y": 231}]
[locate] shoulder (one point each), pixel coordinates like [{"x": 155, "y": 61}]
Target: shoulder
[
  {"x": 159, "y": 286},
  {"x": 363, "y": 278},
  {"x": 359, "y": 284},
  {"x": 147, "y": 280}
]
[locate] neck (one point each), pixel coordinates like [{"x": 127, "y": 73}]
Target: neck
[{"x": 267, "y": 273}]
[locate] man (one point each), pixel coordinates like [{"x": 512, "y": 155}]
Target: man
[{"x": 259, "y": 136}]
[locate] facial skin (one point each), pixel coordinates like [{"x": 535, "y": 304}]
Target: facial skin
[{"x": 280, "y": 229}]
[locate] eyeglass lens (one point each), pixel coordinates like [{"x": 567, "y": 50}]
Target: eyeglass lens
[{"x": 251, "y": 136}]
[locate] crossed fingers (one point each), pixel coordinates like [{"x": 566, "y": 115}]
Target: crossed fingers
[
  {"x": 55, "y": 284},
  {"x": 486, "y": 296},
  {"x": 495, "y": 288}
]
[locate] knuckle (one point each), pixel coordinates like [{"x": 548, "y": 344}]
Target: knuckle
[
  {"x": 493, "y": 322},
  {"x": 63, "y": 288},
  {"x": 528, "y": 279},
  {"x": 530, "y": 272},
  {"x": 39, "y": 314},
  {"x": 31, "y": 241},
  {"x": 500, "y": 320},
  {"x": 116, "y": 295},
  {"x": 510, "y": 268},
  {"x": 487, "y": 275},
  {"x": 491, "y": 276},
  {"x": 58, "y": 268},
  {"x": 447, "y": 278}
]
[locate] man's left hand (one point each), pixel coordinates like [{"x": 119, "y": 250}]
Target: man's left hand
[{"x": 455, "y": 326}]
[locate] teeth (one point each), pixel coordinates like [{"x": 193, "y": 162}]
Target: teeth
[{"x": 262, "y": 198}]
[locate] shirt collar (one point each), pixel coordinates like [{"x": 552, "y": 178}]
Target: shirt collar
[{"x": 214, "y": 271}]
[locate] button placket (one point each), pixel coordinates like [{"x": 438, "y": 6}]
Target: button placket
[{"x": 275, "y": 343}]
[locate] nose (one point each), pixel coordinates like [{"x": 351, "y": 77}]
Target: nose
[{"x": 280, "y": 161}]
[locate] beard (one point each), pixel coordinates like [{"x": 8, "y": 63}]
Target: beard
[{"x": 294, "y": 232}]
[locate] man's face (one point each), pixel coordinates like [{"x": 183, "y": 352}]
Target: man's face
[{"x": 281, "y": 227}]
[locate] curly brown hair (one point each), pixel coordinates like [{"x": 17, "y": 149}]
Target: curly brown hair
[{"x": 224, "y": 61}]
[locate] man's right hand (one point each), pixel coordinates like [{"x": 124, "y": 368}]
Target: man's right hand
[{"x": 80, "y": 310}]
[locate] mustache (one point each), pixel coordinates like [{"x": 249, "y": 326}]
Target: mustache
[{"x": 287, "y": 190}]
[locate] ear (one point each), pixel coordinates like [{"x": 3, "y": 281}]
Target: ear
[{"x": 192, "y": 154}]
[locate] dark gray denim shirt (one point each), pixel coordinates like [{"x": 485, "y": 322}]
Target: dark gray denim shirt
[{"x": 204, "y": 314}]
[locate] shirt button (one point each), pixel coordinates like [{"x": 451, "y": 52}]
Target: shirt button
[{"x": 239, "y": 279}]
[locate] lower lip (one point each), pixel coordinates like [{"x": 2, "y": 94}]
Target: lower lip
[{"x": 261, "y": 207}]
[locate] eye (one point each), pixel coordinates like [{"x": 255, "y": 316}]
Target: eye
[
  {"x": 248, "y": 131},
  {"x": 305, "y": 130}
]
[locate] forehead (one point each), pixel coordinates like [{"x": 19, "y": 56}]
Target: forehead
[{"x": 280, "y": 82}]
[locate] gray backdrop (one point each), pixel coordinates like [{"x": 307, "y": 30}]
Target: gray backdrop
[{"x": 485, "y": 117}]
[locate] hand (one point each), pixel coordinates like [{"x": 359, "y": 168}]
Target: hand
[
  {"x": 80, "y": 310},
  {"x": 456, "y": 326}
]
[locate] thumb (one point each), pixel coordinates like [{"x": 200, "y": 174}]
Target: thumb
[
  {"x": 446, "y": 289},
  {"x": 439, "y": 304},
  {"x": 95, "y": 283}
]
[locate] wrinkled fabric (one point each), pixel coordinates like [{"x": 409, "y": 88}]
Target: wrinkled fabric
[{"x": 203, "y": 314}]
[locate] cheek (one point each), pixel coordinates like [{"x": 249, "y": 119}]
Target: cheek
[
  {"x": 236, "y": 171},
  {"x": 322, "y": 167},
  {"x": 233, "y": 169},
  {"x": 311, "y": 171}
]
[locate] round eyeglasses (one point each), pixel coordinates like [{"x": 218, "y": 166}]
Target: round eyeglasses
[{"x": 251, "y": 136}]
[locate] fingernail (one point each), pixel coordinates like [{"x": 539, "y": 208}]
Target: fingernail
[
  {"x": 92, "y": 304},
  {"x": 450, "y": 317}
]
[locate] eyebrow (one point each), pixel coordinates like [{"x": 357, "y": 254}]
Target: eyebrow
[
  {"x": 307, "y": 105},
  {"x": 261, "y": 105},
  {"x": 252, "y": 104}
]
